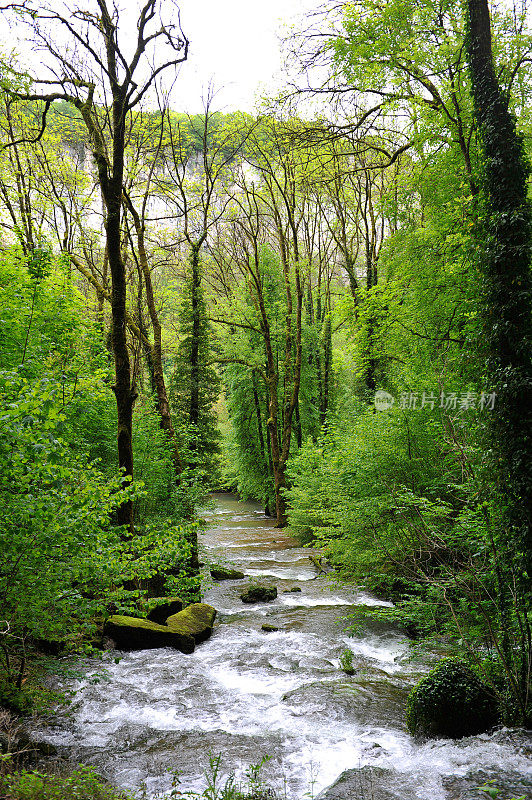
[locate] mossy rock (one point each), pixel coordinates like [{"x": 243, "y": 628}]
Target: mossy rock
[
  {"x": 50, "y": 647},
  {"x": 195, "y": 620},
  {"x": 451, "y": 702},
  {"x": 259, "y": 594},
  {"x": 160, "y": 608},
  {"x": 219, "y": 573},
  {"x": 130, "y": 633},
  {"x": 293, "y": 590},
  {"x": 269, "y": 628}
]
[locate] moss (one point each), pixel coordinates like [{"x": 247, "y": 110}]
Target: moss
[
  {"x": 130, "y": 633},
  {"x": 219, "y": 573},
  {"x": 259, "y": 594},
  {"x": 195, "y": 620},
  {"x": 160, "y": 608},
  {"x": 451, "y": 701}
]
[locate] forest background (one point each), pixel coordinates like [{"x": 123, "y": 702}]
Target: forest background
[{"x": 315, "y": 310}]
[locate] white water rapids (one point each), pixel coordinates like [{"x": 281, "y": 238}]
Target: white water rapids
[{"x": 246, "y": 693}]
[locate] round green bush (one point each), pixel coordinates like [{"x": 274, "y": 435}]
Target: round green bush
[{"x": 451, "y": 701}]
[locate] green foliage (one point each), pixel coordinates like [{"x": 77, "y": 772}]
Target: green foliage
[
  {"x": 83, "y": 784},
  {"x": 195, "y": 386},
  {"x": 386, "y": 499},
  {"x": 346, "y": 662},
  {"x": 492, "y": 791},
  {"x": 157, "y": 562},
  {"x": 14, "y": 699},
  {"x": 450, "y": 701},
  {"x": 55, "y": 534},
  {"x": 41, "y": 324},
  {"x": 346, "y": 488},
  {"x": 246, "y": 454},
  {"x": 247, "y": 393},
  {"x": 62, "y": 561},
  {"x": 218, "y": 787}
]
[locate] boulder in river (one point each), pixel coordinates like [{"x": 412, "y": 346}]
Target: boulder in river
[
  {"x": 259, "y": 594},
  {"x": 195, "y": 620},
  {"x": 130, "y": 633},
  {"x": 451, "y": 701},
  {"x": 269, "y": 628},
  {"x": 292, "y": 590},
  {"x": 219, "y": 573},
  {"x": 163, "y": 607},
  {"x": 371, "y": 782}
]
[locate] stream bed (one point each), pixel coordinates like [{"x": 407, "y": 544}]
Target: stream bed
[{"x": 247, "y": 693}]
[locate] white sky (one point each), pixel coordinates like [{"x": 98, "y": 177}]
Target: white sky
[{"x": 234, "y": 44}]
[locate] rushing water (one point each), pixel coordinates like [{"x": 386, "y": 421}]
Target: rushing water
[{"x": 247, "y": 693}]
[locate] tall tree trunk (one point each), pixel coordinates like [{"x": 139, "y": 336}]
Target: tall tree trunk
[
  {"x": 258, "y": 415},
  {"x": 299, "y": 432},
  {"x": 111, "y": 179},
  {"x": 194, "y": 347},
  {"x": 327, "y": 365},
  {"x": 506, "y": 263},
  {"x": 124, "y": 391},
  {"x": 263, "y": 444},
  {"x": 505, "y": 245}
]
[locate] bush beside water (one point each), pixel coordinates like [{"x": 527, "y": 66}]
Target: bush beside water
[{"x": 450, "y": 701}]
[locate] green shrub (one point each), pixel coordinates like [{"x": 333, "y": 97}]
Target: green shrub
[
  {"x": 346, "y": 662},
  {"x": 450, "y": 701},
  {"x": 83, "y": 784}
]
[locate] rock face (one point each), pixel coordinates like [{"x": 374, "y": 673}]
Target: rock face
[
  {"x": 163, "y": 607},
  {"x": 451, "y": 701},
  {"x": 130, "y": 633},
  {"x": 371, "y": 782},
  {"x": 259, "y": 594},
  {"x": 219, "y": 573},
  {"x": 195, "y": 621}
]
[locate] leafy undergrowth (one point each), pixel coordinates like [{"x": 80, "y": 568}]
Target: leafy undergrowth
[{"x": 83, "y": 784}]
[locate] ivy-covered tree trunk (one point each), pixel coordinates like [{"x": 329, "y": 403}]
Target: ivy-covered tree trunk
[
  {"x": 506, "y": 261},
  {"x": 123, "y": 388},
  {"x": 505, "y": 258}
]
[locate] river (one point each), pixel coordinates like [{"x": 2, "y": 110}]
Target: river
[{"x": 247, "y": 693}]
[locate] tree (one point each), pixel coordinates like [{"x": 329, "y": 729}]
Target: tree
[
  {"x": 154, "y": 352},
  {"x": 197, "y": 155},
  {"x": 505, "y": 250},
  {"x": 195, "y": 385},
  {"x": 91, "y": 71}
]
